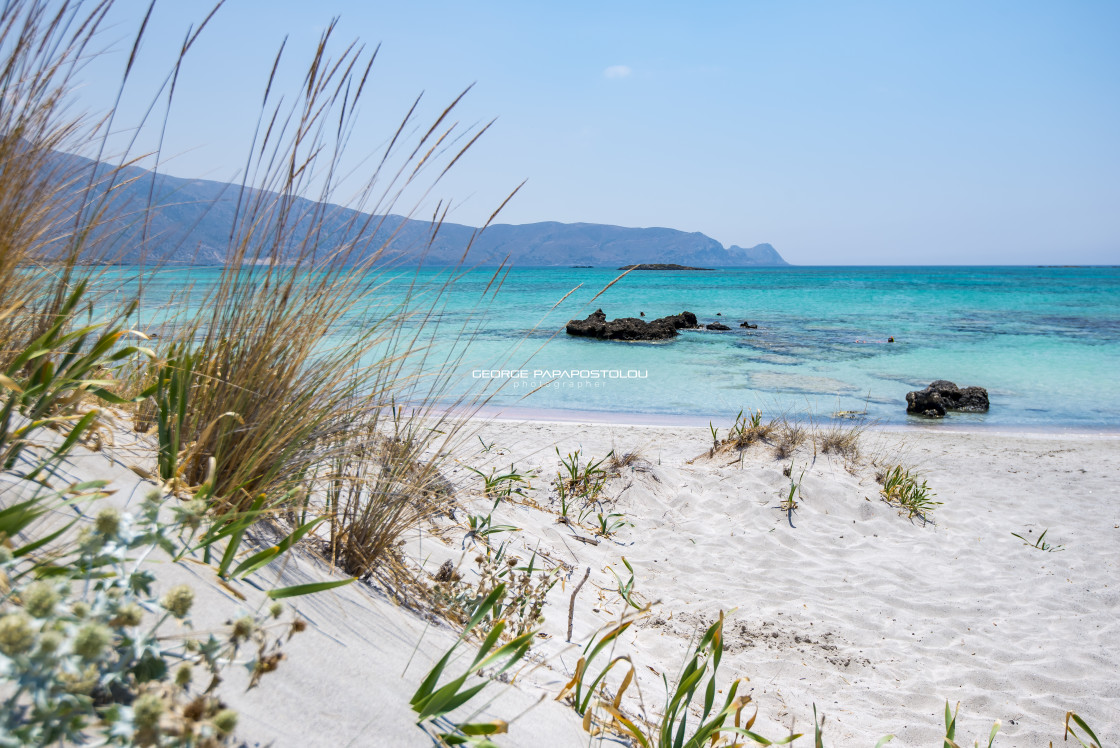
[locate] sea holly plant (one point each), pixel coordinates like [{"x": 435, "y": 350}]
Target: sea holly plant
[
  {"x": 83, "y": 653},
  {"x": 524, "y": 589}
]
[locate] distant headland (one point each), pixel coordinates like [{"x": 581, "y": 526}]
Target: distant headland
[{"x": 196, "y": 219}]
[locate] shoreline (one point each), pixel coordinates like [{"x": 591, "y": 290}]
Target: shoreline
[{"x": 516, "y": 414}]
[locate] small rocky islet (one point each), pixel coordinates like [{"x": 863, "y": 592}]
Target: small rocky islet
[
  {"x": 596, "y": 325},
  {"x": 630, "y": 328},
  {"x": 663, "y": 266}
]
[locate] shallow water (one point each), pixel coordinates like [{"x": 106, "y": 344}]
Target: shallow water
[{"x": 1045, "y": 342}]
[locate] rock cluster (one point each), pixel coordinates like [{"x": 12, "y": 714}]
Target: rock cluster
[
  {"x": 630, "y": 328},
  {"x": 942, "y": 396}
]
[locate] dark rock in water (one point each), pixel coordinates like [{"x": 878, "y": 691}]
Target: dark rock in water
[
  {"x": 630, "y": 328},
  {"x": 974, "y": 400},
  {"x": 748, "y": 325},
  {"x": 718, "y": 326},
  {"x": 925, "y": 403},
  {"x": 942, "y": 396},
  {"x": 682, "y": 321}
]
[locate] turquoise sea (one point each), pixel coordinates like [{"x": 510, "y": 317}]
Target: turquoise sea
[{"x": 1045, "y": 341}]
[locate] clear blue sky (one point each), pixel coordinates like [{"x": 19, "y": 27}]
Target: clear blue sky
[{"x": 840, "y": 132}]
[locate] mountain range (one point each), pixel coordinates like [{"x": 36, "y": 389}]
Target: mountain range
[{"x": 196, "y": 222}]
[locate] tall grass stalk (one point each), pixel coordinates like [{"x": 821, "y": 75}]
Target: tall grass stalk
[
  {"x": 46, "y": 225},
  {"x": 249, "y": 396},
  {"x": 270, "y": 399},
  {"x": 58, "y": 348}
]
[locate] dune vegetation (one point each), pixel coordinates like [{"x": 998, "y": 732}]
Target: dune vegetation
[
  {"x": 248, "y": 414},
  {"x": 256, "y": 429}
]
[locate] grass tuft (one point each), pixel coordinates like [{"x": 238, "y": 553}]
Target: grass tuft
[
  {"x": 745, "y": 431},
  {"x": 617, "y": 462},
  {"x": 903, "y": 489},
  {"x": 841, "y": 438},
  {"x": 788, "y": 435}
]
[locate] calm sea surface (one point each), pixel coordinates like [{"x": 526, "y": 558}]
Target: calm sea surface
[{"x": 1045, "y": 342}]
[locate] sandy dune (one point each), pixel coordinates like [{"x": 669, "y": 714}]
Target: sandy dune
[{"x": 843, "y": 603}]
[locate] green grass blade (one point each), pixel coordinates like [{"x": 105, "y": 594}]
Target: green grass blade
[
  {"x": 449, "y": 698},
  {"x": 299, "y": 590},
  {"x": 257, "y": 560},
  {"x": 428, "y": 685},
  {"x": 483, "y": 728},
  {"x": 15, "y": 518},
  {"x": 35, "y": 545},
  {"x": 485, "y": 607},
  {"x": 992, "y": 735},
  {"x": 1084, "y": 726},
  {"x": 488, "y": 644}
]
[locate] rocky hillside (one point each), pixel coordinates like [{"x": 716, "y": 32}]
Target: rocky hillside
[{"x": 197, "y": 219}]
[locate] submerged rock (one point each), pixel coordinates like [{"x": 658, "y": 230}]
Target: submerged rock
[
  {"x": 717, "y": 326},
  {"x": 630, "y": 328},
  {"x": 942, "y": 396}
]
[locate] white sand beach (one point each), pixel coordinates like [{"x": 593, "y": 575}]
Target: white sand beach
[
  {"x": 876, "y": 619},
  {"x": 354, "y": 404}
]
